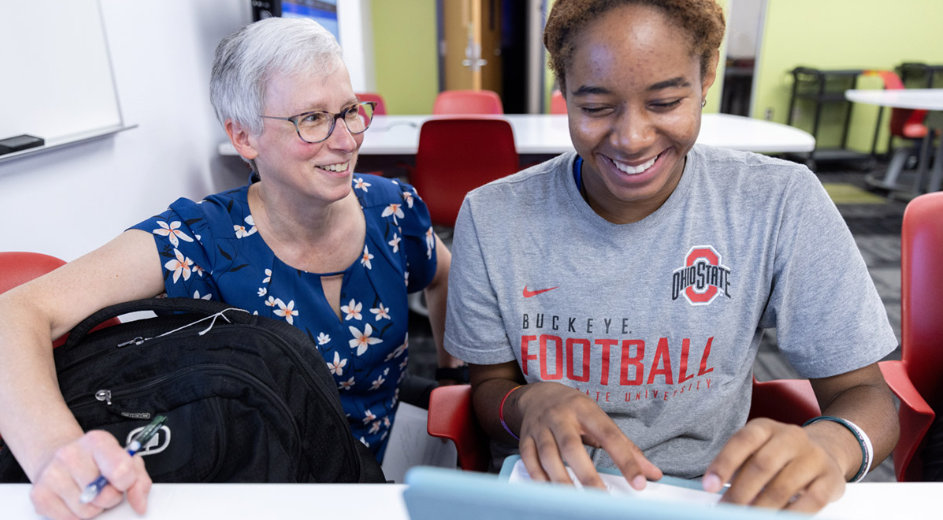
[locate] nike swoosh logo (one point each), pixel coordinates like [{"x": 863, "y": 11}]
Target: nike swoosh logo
[{"x": 531, "y": 294}]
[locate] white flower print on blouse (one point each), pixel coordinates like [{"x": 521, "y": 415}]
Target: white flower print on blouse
[
  {"x": 360, "y": 184},
  {"x": 368, "y": 416},
  {"x": 430, "y": 242},
  {"x": 263, "y": 291},
  {"x": 408, "y": 199},
  {"x": 352, "y": 310},
  {"x": 268, "y": 276},
  {"x": 242, "y": 232},
  {"x": 323, "y": 339},
  {"x": 375, "y": 427},
  {"x": 337, "y": 367},
  {"x": 285, "y": 311},
  {"x": 197, "y": 269},
  {"x": 381, "y": 312},
  {"x": 180, "y": 266},
  {"x": 365, "y": 259},
  {"x": 393, "y": 209},
  {"x": 270, "y": 302},
  {"x": 364, "y": 442},
  {"x": 395, "y": 242},
  {"x": 172, "y": 232},
  {"x": 345, "y": 385},
  {"x": 378, "y": 383},
  {"x": 399, "y": 350},
  {"x": 196, "y": 296},
  {"x": 362, "y": 340}
]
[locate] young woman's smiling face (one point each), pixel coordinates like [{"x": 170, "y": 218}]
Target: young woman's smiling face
[{"x": 634, "y": 93}]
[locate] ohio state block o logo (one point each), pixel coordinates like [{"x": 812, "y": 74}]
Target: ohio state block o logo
[{"x": 702, "y": 293}]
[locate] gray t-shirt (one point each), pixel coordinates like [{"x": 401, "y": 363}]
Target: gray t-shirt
[{"x": 659, "y": 321}]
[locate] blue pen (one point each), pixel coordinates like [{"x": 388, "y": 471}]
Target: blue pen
[{"x": 139, "y": 439}]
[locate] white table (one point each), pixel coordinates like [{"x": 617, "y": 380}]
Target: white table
[
  {"x": 542, "y": 134},
  {"x": 884, "y": 500},
  {"x": 917, "y": 99}
]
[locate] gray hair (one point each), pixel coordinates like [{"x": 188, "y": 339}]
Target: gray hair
[{"x": 248, "y": 58}]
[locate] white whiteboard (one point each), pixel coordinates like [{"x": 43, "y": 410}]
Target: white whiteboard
[{"x": 55, "y": 76}]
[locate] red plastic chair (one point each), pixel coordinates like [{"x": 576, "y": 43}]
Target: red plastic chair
[
  {"x": 916, "y": 378},
  {"x": 457, "y": 155},
  {"x": 905, "y": 124},
  {"x": 467, "y": 102},
  {"x": 19, "y": 267},
  {"x": 451, "y": 415},
  {"x": 557, "y": 103},
  {"x": 380, "y": 109}
]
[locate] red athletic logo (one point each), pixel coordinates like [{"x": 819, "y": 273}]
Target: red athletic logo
[
  {"x": 702, "y": 278},
  {"x": 531, "y": 294}
]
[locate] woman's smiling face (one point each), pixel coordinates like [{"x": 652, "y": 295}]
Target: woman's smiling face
[{"x": 634, "y": 93}]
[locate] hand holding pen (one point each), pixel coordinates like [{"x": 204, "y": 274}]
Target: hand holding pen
[{"x": 139, "y": 440}]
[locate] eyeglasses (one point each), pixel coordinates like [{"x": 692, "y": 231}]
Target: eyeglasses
[{"x": 314, "y": 127}]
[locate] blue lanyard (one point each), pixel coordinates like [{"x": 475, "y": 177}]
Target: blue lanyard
[{"x": 578, "y": 173}]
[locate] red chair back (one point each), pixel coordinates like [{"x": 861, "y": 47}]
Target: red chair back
[
  {"x": 467, "y": 102},
  {"x": 380, "y": 109},
  {"x": 19, "y": 267},
  {"x": 922, "y": 295},
  {"x": 905, "y": 122},
  {"x": 457, "y": 155},
  {"x": 452, "y": 416},
  {"x": 557, "y": 103},
  {"x": 915, "y": 379}
]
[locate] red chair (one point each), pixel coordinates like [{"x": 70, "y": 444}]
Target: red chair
[
  {"x": 457, "y": 155},
  {"x": 380, "y": 109},
  {"x": 916, "y": 378},
  {"x": 905, "y": 124},
  {"x": 557, "y": 103},
  {"x": 451, "y": 415},
  {"x": 18, "y": 267},
  {"x": 467, "y": 102}
]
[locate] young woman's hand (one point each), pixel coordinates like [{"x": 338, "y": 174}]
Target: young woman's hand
[
  {"x": 557, "y": 421},
  {"x": 776, "y": 465}
]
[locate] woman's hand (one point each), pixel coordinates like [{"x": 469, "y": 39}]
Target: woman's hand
[
  {"x": 776, "y": 465},
  {"x": 60, "y": 482},
  {"x": 555, "y": 423}
]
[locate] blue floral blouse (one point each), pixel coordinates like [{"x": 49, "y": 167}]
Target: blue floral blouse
[{"x": 211, "y": 250}]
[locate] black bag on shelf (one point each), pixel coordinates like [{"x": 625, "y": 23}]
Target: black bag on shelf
[{"x": 247, "y": 398}]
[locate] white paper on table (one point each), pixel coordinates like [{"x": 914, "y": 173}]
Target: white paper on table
[
  {"x": 411, "y": 445},
  {"x": 619, "y": 486}
]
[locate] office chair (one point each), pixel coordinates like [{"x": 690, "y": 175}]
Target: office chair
[
  {"x": 18, "y": 267},
  {"x": 467, "y": 102},
  {"x": 380, "y": 109},
  {"x": 905, "y": 124},
  {"x": 557, "y": 103},
  {"x": 916, "y": 379},
  {"x": 457, "y": 155},
  {"x": 452, "y": 416}
]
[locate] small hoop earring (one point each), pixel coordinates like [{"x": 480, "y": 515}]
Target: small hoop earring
[{"x": 703, "y": 102}]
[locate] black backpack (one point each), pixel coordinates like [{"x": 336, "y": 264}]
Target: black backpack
[{"x": 247, "y": 398}]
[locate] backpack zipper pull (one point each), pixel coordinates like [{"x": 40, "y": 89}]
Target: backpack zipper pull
[
  {"x": 104, "y": 395},
  {"x": 136, "y": 341}
]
